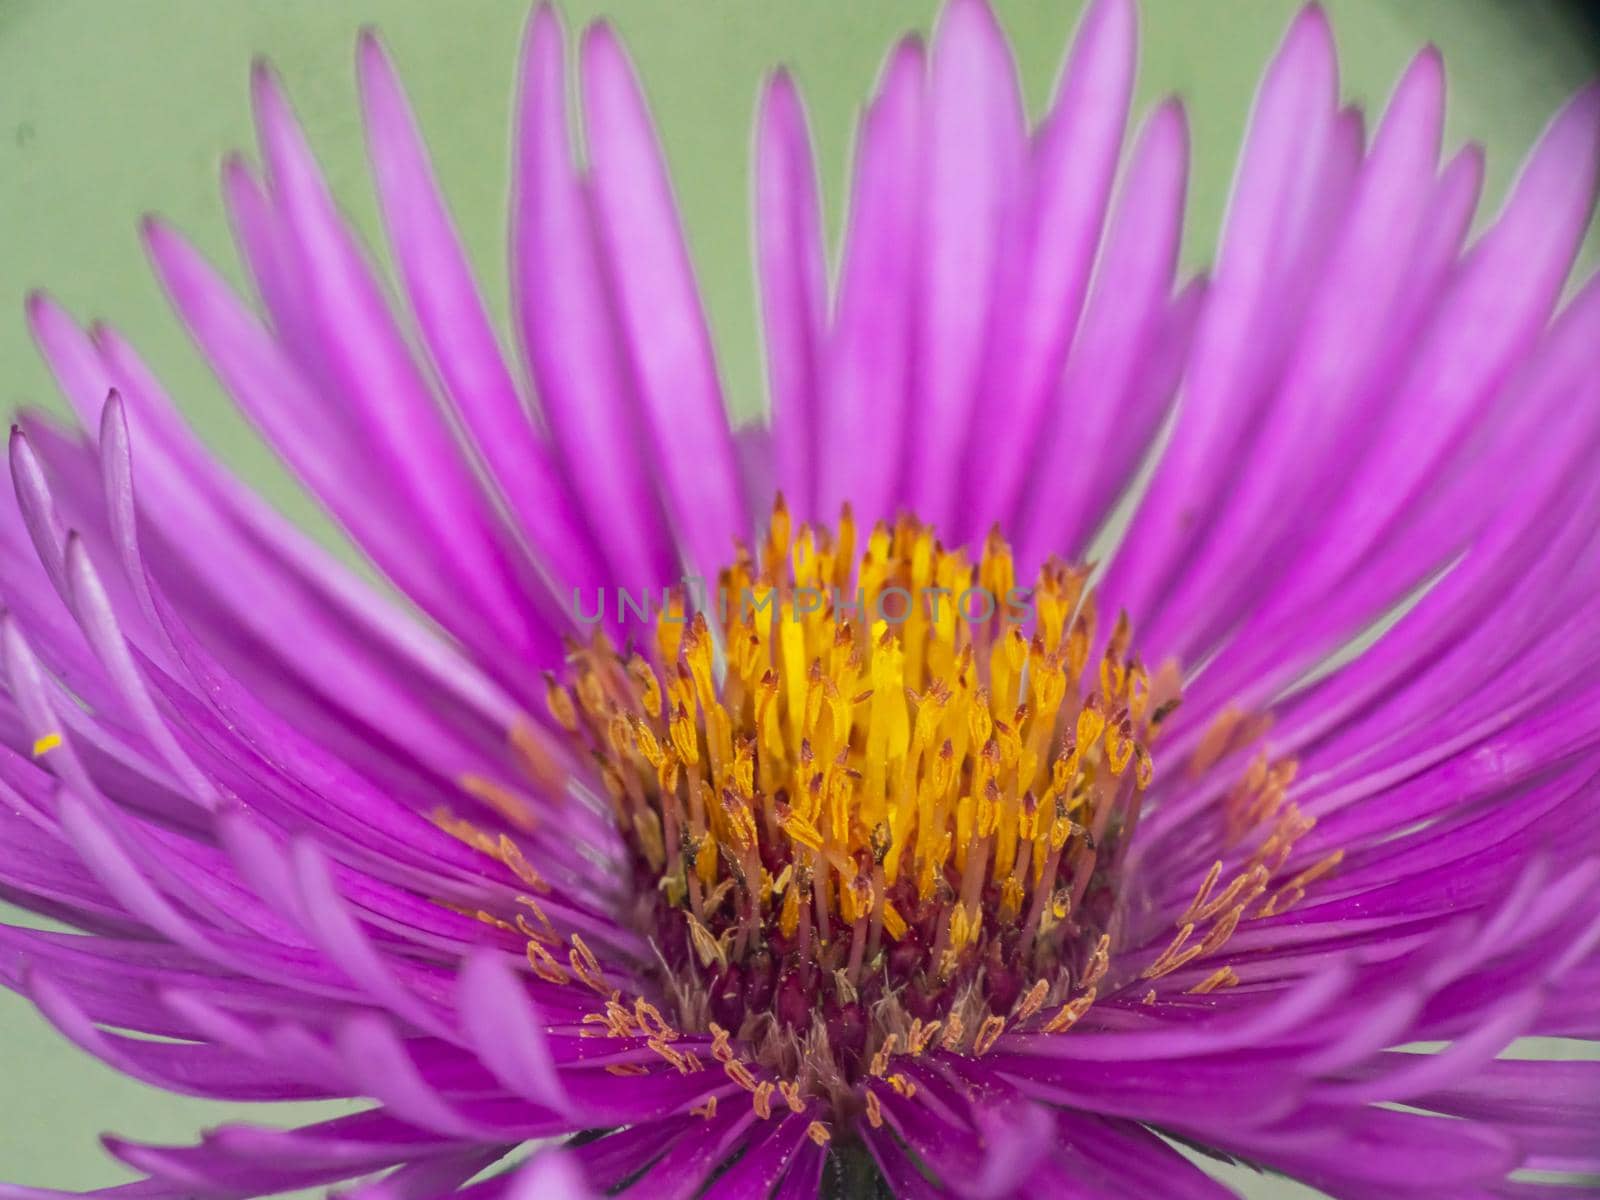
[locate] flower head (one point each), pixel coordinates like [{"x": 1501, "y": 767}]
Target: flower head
[
  {"x": 893, "y": 823},
  {"x": 751, "y": 812}
]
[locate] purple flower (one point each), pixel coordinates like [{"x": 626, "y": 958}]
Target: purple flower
[{"x": 663, "y": 834}]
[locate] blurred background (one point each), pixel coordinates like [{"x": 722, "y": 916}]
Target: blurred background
[{"x": 109, "y": 110}]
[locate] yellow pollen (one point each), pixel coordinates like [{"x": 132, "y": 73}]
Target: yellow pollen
[
  {"x": 988, "y": 1033},
  {"x": 761, "y": 1101},
  {"x": 1222, "y": 977},
  {"x": 790, "y": 1091},
  {"x": 516, "y": 809},
  {"x": 877, "y": 796},
  {"x": 1033, "y": 1001},
  {"x": 1069, "y": 1013},
  {"x": 880, "y": 1060},
  {"x": 874, "y": 1110},
  {"x": 544, "y": 964},
  {"x": 856, "y": 776},
  {"x": 919, "y": 1037}
]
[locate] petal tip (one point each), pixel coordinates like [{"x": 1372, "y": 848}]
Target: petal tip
[
  {"x": 544, "y": 23},
  {"x": 905, "y": 58},
  {"x": 235, "y": 168},
  {"x": 780, "y": 96},
  {"x": 153, "y": 229},
  {"x": 1117, "y": 19},
  {"x": 976, "y": 14},
  {"x": 1583, "y": 106},
  {"x": 780, "y": 81},
  {"x": 1430, "y": 56},
  {"x": 372, "y": 59},
  {"x": 599, "y": 40},
  {"x": 970, "y": 27},
  {"x": 1172, "y": 112},
  {"x": 1310, "y": 31},
  {"x": 263, "y": 76},
  {"x": 267, "y": 99}
]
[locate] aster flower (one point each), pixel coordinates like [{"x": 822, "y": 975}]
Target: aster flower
[{"x": 753, "y": 812}]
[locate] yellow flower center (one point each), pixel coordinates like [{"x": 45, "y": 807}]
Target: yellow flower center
[{"x": 875, "y": 800}]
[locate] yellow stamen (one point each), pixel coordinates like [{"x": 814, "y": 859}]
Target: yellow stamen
[
  {"x": 1069, "y": 1013},
  {"x": 1222, "y": 977},
  {"x": 856, "y": 799},
  {"x": 988, "y": 1033}
]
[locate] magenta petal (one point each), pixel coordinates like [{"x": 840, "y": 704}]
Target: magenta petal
[
  {"x": 1290, "y": 132},
  {"x": 794, "y": 285},
  {"x": 659, "y": 309},
  {"x": 1073, "y": 165},
  {"x": 550, "y": 1175},
  {"x": 574, "y": 349},
  {"x": 502, "y": 1023},
  {"x": 972, "y": 206},
  {"x": 455, "y": 323},
  {"x": 1119, "y": 334},
  {"x": 365, "y": 354},
  {"x": 863, "y": 428}
]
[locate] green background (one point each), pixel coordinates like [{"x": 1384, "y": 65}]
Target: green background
[{"x": 111, "y": 109}]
